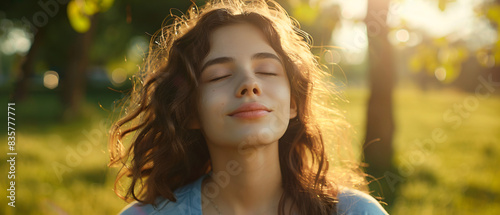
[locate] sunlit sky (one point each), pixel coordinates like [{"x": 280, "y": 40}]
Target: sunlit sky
[
  {"x": 458, "y": 20},
  {"x": 419, "y": 14}
]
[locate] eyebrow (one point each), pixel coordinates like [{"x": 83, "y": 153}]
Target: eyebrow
[{"x": 220, "y": 60}]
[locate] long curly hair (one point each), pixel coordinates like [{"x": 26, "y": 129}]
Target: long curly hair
[{"x": 315, "y": 153}]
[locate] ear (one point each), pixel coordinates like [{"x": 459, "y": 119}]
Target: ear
[{"x": 293, "y": 108}]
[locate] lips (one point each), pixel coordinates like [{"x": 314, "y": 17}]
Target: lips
[{"x": 250, "y": 111}]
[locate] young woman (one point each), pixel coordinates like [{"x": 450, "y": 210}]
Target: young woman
[{"x": 233, "y": 115}]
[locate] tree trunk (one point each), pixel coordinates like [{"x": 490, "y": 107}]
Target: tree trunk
[
  {"x": 27, "y": 69},
  {"x": 75, "y": 81},
  {"x": 378, "y": 149}
]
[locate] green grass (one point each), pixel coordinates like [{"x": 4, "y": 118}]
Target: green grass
[
  {"x": 83, "y": 184},
  {"x": 457, "y": 176}
]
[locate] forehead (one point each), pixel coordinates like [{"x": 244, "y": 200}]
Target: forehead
[{"x": 237, "y": 40}]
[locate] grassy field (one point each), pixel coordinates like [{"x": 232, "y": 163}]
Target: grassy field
[
  {"x": 458, "y": 173},
  {"x": 61, "y": 168}
]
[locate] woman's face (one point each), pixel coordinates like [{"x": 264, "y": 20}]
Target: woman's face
[{"x": 244, "y": 89}]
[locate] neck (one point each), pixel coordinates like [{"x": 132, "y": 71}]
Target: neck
[{"x": 245, "y": 181}]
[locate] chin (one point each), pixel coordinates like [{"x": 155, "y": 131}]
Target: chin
[{"x": 260, "y": 137}]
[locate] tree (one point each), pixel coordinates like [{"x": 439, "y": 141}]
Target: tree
[
  {"x": 70, "y": 39},
  {"x": 16, "y": 10},
  {"x": 378, "y": 150}
]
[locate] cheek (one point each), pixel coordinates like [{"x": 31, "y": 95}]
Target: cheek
[
  {"x": 281, "y": 97},
  {"x": 280, "y": 92},
  {"x": 212, "y": 104},
  {"x": 283, "y": 110}
]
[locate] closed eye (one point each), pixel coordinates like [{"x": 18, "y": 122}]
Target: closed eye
[
  {"x": 219, "y": 78},
  {"x": 268, "y": 73}
]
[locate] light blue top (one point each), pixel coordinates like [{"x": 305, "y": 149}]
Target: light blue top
[{"x": 351, "y": 202}]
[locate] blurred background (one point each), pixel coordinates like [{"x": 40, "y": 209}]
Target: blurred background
[{"x": 422, "y": 78}]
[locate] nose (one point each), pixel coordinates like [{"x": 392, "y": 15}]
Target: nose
[{"x": 249, "y": 87}]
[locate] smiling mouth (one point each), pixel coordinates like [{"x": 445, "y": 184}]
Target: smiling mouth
[
  {"x": 251, "y": 114},
  {"x": 251, "y": 110}
]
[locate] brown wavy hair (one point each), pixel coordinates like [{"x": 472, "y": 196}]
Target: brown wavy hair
[{"x": 164, "y": 154}]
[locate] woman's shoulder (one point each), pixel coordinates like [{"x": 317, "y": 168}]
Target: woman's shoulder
[
  {"x": 165, "y": 206},
  {"x": 183, "y": 205},
  {"x": 137, "y": 208},
  {"x": 188, "y": 202},
  {"x": 353, "y": 201}
]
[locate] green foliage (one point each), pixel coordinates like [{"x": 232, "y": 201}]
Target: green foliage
[
  {"x": 439, "y": 54},
  {"x": 493, "y": 13},
  {"x": 306, "y": 14},
  {"x": 79, "y": 12},
  {"x": 317, "y": 18},
  {"x": 448, "y": 56}
]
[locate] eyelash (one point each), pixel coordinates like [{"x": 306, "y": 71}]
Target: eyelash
[
  {"x": 264, "y": 73},
  {"x": 268, "y": 73},
  {"x": 216, "y": 79}
]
